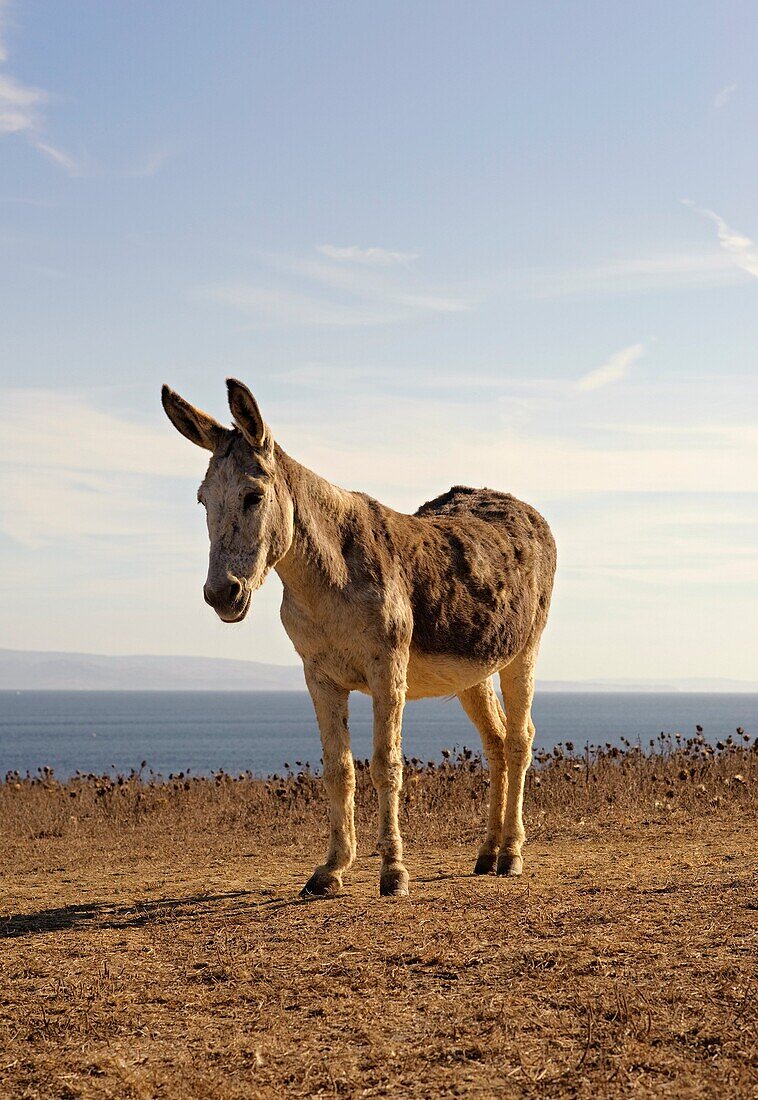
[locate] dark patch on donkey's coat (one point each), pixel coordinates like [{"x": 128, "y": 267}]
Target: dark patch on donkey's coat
[{"x": 483, "y": 589}]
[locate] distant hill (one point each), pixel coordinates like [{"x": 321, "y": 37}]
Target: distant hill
[
  {"x": 38, "y": 671},
  {"x": 29, "y": 670},
  {"x": 651, "y": 687}
]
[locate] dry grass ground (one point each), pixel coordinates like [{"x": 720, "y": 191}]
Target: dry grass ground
[{"x": 153, "y": 943}]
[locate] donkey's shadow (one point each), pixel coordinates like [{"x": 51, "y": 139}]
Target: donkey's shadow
[{"x": 106, "y": 915}]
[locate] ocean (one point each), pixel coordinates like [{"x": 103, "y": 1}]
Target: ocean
[{"x": 263, "y": 732}]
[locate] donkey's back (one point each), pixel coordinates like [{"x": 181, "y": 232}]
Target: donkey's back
[
  {"x": 480, "y": 576},
  {"x": 519, "y": 522}
]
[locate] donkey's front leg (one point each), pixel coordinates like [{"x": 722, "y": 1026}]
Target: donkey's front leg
[
  {"x": 330, "y": 704},
  {"x": 388, "y": 690}
]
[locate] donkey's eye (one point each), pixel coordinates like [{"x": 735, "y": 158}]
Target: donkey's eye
[{"x": 251, "y": 498}]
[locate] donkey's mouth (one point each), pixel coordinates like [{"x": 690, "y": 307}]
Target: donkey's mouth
[{"x": 237, "y": 614}]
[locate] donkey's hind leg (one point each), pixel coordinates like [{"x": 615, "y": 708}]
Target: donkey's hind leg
[
  {"x": 482, "y": 706},
  {"x": 517, "y": 683}
]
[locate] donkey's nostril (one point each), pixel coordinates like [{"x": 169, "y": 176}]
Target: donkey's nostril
[{"x": 226, "y": 597}]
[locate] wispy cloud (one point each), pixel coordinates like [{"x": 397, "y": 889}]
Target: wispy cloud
[
  {"x": 267, "y": 306},
  {"x": 673, "y": 539},
  {"x": 635, "y": 275},
  {"x": 83, "y": 474},
  {"x": 326, "y": 375},
  {"x": 21, "y": 111},
  {"x": 741, "y": 249},
  {"x": 62, "y": 506},
  {"x": 398, "y": 288},
  {"x": 558, "y": 454},
  {"x": 152, "y": 162},
  {"x": 71, "y": 432},
  {"x": 25, "y": 200},
  {"x": 19, "y": 106},
  {"x": 722, "y": 98},
  {"x": 613, "y": 370},
  {"x": 667, "y": 271},
  {"x": 374, "y": 286},
  {"x": 58, "y": 156},
  {"x": 379, "y": 257},
  {"x": 339, "y": 292}
]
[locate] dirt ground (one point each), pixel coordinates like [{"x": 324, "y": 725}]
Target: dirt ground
[{"x": 139, "y": 966}]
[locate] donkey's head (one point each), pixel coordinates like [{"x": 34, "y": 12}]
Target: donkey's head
[{"x": 249, "y": 509}]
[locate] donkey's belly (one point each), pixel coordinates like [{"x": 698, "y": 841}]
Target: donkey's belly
[{"x": 443, "y": 675}]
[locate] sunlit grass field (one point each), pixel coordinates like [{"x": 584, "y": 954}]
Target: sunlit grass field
[{"x": 154, "y": 943}]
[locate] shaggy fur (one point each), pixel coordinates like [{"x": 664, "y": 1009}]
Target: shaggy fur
[{"x": 393, "y": 605}]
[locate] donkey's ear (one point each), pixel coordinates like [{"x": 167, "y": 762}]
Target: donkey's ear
[
  {"x": 193, "y": 423},
  {"x": 247, "y": 415}
]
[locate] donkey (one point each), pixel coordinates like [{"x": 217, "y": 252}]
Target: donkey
[{"x": 396, "y": 606}]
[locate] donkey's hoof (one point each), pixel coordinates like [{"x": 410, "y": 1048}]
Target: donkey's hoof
[
  {"x": 322, "y": 884},
  {"x": 509, "y": 865},
  {"x": 486, "y": 863},
  {"x": 394, "y": 883}
]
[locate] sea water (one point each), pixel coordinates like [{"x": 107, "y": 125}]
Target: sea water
[{"x": 262, "y": 732}]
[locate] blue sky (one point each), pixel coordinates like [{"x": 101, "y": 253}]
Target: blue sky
[{"x": 503, "y": 244}]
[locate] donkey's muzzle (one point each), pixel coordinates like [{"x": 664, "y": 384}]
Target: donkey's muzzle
[{"x": 229, "y": 599}]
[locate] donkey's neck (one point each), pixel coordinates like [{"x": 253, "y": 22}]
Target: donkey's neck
[{"x": 322, "y": 513}]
